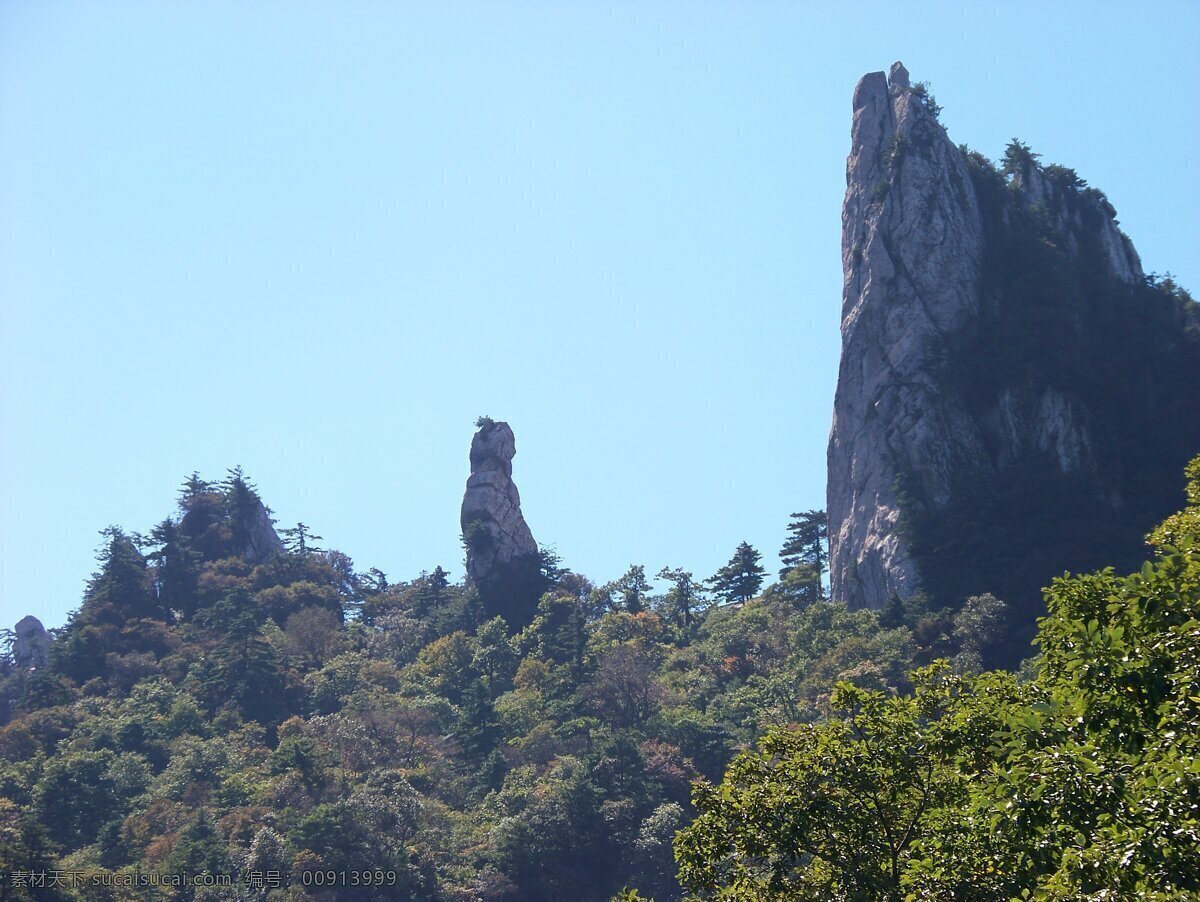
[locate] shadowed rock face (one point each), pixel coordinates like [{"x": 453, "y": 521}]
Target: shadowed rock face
[
  {"x": 930, "y": 404},
  {"x": 262, "y": 542},
  {"x": 502, "y": 556},
  {"x": 31, "y": 645}
]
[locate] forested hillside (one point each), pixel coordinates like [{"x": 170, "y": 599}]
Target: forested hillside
[
  {"x": 306, "y": 731},
  {"x": 1079, "y": 781},
  {"x": 229, "y": 703}
]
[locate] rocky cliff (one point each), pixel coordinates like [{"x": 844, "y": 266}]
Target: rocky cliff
[
  {"x": 502, "y": 556},
  {"x": 1010, "y": 399}
]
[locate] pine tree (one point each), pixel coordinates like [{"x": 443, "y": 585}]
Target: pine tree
[
  {"x": 176, "y": 568},
  {"x": 634, "y": 589},
  {"x": 298, "y": 540},
  {"x": 121, "y": 589},
  {"x": 202, "y": 507},
  {"x": 682, "y": 599},
  {"x": 742, "y": 577},
  {"x": 248, "y": 671},
  {"x": 241, "y": 505},
  {"x": 807, "y": 534},
  {"x": 193, "y": 487}
]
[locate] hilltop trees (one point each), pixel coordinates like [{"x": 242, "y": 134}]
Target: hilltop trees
[
  {"x": 683, "y": 599},
  {"x": 221, "y": 710},
  {"x": 742, "y": 577},
  {"x": 248, "y": 724},
  {"x": 121, "y": 589}
]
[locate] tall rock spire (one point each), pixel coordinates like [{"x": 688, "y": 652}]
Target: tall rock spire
[
  {"x": 502, "y": 556},
  {"x": 987, "y": 433},
  {"x": 912, "y": 246}
]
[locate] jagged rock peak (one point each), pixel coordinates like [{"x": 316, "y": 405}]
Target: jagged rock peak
[
  {"x": 31, "y": 643},
  {"x": 976, "y": 304},
  {"x": 495, "y": 533},
  {"x": 911, "y": 254}
]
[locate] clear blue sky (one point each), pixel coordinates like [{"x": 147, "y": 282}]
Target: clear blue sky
[{"x": 319, "y": 239}]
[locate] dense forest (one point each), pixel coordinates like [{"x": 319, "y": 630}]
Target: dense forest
[{"x": 231, "y": 709}]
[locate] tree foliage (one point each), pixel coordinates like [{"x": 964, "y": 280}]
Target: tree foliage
[
  {"x": 1082, "y": 783},
  {"x": 247, "y": 724},
  {"x": 742, "y": 577}
]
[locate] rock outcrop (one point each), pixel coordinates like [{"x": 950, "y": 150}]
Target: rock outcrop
[
  {"x": 502, "y": 557},
  {"x": 986, "y": 362},
  {"x": 31, "y": 644},
  {"x": 262, "y": 542}
]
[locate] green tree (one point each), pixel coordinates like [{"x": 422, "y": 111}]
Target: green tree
[
  {"x": 1081, "y": 783},
  {"x": 835, "y": 809},
  {"x": 302, "y": 755},
  {"x": 742, "y": 577},
  {"x": 242, "y": 507},
  {"x": 1018, "y": 157},
  {"x": 299, "y": 539},
  {"x": 496, "y": 658},
  {"x": 176, "y": 568},
  {"x": 75, "y": 795},
  {"x": 248, "y": 674},
  {"x": 808, "y": 536},
  {"x": 200, "y": 850},
  {"x": 203, "y": 509},
  {"x": 682, "y": 600},
  {"x": 121, "y": 590},
  {"x": 557, "y": 634},
  {"x": 979, "y": 628},
  {"x": 23, "y": 846},
  {"x": 633, "y": 588},
  {"x": 1172, "y": 531}
]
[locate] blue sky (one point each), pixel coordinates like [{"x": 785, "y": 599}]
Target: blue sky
[{"x": 319, "y": 239}]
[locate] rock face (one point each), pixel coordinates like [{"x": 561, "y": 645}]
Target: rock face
[
  {"x": 985, "y": 315},
  {"x": 502, "y": 556},
  {"x": 31, "y": 645},
  {"x": 262, "y": 542}
]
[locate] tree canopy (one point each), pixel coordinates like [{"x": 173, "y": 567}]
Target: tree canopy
[{"x": 1082, "y": 782}]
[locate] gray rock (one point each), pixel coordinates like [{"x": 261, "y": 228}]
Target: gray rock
[
  {"x": 498, "y": 540},
  {"x": 263, "y": 543},
  {"x": 914, "y": 242},
  {"x": 31, "y": 645}
]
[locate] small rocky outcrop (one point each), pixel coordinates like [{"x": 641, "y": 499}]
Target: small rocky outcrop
[
  {"x": 1006, "y": 405},
  {"x": 31, "y": 644},
  {"x": 502, "y": 557},
  {"x": 262, "y": 542}
]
